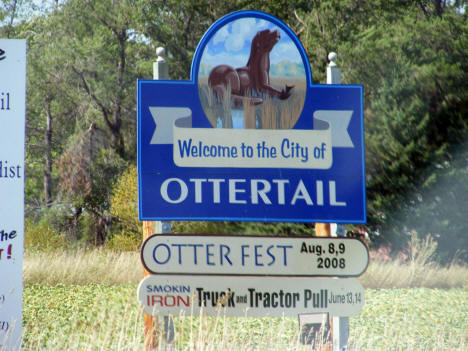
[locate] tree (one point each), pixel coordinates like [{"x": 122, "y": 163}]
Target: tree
[
  {"x": 89, "y": 168},
  {"x": 416, "y": 120},
  {"x": 51, "y": 110},
  {"x": 178, "y": 26},
  {"x": 101, "y": 49},
  {"x": 85, "y": 56},
  {"x": 10, "y": 12},
  {"x": 83, "y": 63}
]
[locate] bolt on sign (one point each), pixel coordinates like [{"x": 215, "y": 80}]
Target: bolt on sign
[
  {"x": 254, "y": 255},
  {"x": 241, "y": 296},
  {"x": 249, "y": 137},
  {"x": 12, "y": 127}
]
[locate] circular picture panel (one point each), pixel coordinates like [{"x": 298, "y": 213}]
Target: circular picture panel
[{"x": 252, "y": 75}]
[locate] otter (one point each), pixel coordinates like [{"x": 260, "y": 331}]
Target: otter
[{"x": 253, "y": 80}]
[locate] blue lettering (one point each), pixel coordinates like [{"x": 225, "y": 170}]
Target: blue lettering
[
  {"x": 284, "y": 247},
  {"x": 179, "y": 251},
  {"x": 257, "y": 255},
  {"x": 283, "y": 147},
  {"x": 224, "y": 254},
  {"x": 168, "y": 288},
  {"x": 244, "y": 254},
  {"x": 209, "y": 254},
  {"x": 195, "y": 251},
  {"x": 271, "y": 255},
  {"x": 168, "y": 253},
  {"x": 185, "y": 147}
]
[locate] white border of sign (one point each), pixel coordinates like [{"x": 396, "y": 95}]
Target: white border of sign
[
  {"x": 12, "y": 138},
  {"x": 239, "y": 296},
  {"x": 254, "y": 255}
]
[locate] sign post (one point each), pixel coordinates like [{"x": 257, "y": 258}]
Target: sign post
[
  {"x": 160, "y": 72},
  {"x": 12, "y": 139},
  {"x": 339, "y": 326}
]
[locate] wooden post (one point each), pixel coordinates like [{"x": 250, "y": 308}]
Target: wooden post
[
  {"x": 322, "y": 229},
  {"x": 151, "y": 323},
  {"x": 160, "y": 71}
]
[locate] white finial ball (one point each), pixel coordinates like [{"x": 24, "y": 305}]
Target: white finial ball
[
  {"x": 160, "y": 51},
  {"x": 332, "y": 56}
]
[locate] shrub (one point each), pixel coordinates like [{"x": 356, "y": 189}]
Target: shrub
[
  {"x": 42, "y": 236},
  {"x": 127, "y": 232}
]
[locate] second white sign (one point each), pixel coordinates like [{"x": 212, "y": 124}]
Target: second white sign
[{"x": 254, "y": 255}]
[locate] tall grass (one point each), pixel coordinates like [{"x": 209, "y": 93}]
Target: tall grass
[
  {"x": 270, "y": 114},
  {"x": 82, "y": 266},
  {"x": 109, "y": 267}
]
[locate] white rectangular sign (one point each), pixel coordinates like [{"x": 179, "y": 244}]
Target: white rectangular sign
[
  {"x": 12, "y": 141},
  {"x": 239, "y": 296},
  {"x": 254, "y": 255}
]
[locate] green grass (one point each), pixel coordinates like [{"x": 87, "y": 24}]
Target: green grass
[
  {"x": 86, "y": 300},
  {"x": 412, "y": 319},
  {"x": 107, "y": 317}
]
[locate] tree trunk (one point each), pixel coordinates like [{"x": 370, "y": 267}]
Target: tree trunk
[{"x": 48, "y": 157}]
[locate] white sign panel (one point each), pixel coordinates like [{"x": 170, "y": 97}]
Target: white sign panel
[
  {"x": 254, "y": 255},
  {"x": 12, "y": 131},
  {"x": 238, "y": 296}
]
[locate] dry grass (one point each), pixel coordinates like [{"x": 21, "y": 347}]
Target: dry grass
[
  {"x": 79, "y": 267},
  {"x": 109, "y": 267},
  {"x": 270, "y": 114},
  {"x": 417, "y": 269},
  {"x": 399, "y": 274}
]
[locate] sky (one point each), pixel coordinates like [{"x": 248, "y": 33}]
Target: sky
[{"x": 231, "y": 44}]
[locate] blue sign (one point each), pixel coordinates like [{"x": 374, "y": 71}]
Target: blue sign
[{"x": 249, "y": 137}]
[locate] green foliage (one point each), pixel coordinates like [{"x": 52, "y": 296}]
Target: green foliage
[
  {"x": 416, "y": 126},
  {"x": 127, "y": 232},
  {"x": 42, "y": 236},
  {"x": 85, "y": 56},
  {"x": 88, "y": 171},
  {"x": 243, "y": 228},
  {"x": 97, "y": 316}
]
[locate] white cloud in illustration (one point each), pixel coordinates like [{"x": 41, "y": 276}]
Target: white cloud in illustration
[
  {"x": 230, "y": 45},
  {"x": 285, "y": 51},
  {"x": 242, "y": 32},
  {"x": 221, "y": 35},
  {"x": 224, "y": 58}
]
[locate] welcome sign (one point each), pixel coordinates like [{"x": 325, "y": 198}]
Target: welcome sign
[{"x": 249, "y": 137}]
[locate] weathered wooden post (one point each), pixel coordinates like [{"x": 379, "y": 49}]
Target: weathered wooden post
[
  {"x": 151, "y": 323},
  {"x": 160, "y": 72}
]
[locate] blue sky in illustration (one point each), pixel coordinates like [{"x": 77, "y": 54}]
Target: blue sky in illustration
[{"x": 231, "y": 44}]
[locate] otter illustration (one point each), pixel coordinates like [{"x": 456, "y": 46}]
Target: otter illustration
[{"x": 253, "y": 80}]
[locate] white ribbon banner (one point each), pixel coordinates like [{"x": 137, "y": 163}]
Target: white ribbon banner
[{"x": 251, "y": 148}]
